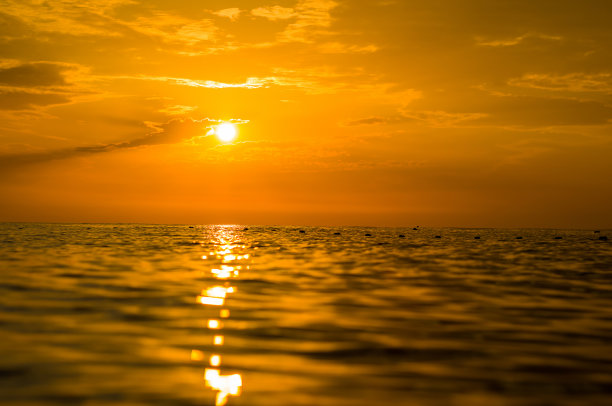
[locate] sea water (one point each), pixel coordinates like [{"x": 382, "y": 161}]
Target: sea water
[{"x": 120, "y": 314}]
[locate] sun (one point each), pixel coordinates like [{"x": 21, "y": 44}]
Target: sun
[{"x": 226, "y": 132}]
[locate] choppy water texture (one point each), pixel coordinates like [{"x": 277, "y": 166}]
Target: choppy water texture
[{"x": 204, "y": 315}]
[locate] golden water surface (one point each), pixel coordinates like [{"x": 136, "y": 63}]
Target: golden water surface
[{"x": 214, "y": 315}]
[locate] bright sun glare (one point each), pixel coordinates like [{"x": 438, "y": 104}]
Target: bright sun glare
[{"x": 225, "y": 132}]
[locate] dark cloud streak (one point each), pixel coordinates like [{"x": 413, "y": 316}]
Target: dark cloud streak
[
  {"x": 34, "y": 74},
  {"x": 22, "y": 100},
  {"x": 35, "y": 84},
  {"x": 172, "y": 132}
]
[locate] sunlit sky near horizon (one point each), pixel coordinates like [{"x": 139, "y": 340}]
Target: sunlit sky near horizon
[{"x": 390, "y": 113}]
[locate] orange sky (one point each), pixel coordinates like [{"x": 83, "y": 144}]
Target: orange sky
[{"x": 439, "y": 113}]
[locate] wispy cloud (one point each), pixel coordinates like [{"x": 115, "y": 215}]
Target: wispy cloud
[
  {"x": 327, "y": 79},
  {"x": 177, "y": 110},
  {"x": 342, "y": 48},
  {"x": 274, "y": 13},
  {"x": 435, "y": 119},
  {"x": 231, "y": 13},
  {"x": 311, "y": 80},
  {"x": 173, "y": 29},
  {"x": 512, "y": 41},
  {"x": 373, "y": 120},
  {"x": 97, "y": 18},
  {"x": 440, "y": 119},
  {"x": 313, "y": 18},
  {"x": 70, "y": 17},
  {"x": 571, "y": 82},
  {"x": 250, "y": 83},
  {"x": 507, "y": 112},
  {"x": 194, "y": 32}
]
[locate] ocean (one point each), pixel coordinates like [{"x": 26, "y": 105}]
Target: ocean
[{"x": 129, "y": 314}]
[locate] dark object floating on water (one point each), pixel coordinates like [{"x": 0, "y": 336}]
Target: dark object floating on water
[
  {"x": 558, "y": 238},
  {"x": 245, "y": 229},
  {"x": 401, "y": 236},
  {"x": 336, "y": 233},
  {"x": 477, "y": 237},
  {"x": 191, "y": 227},
  {"x": 368, "y": 235},
  {"x": 603, "y": 238},
  {"x": 596, "y": 231},
  {"x": 415, "y": 228},
  {"x": 302, "y": 232},
  {"x": 438, "y": 236},
  {"x": 519, "y": 238}
]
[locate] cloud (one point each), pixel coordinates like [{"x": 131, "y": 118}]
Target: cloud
[
  {"x": 33, "y": 74},
  {"x": 526, "y": 111},
  {"x": 340, "y": 48},
  {"x": 167, "y": 28},
  {"x": 274, "y": 13},
  {"x": 23, "y": 100},
  {"x": 171, "y": 29},
  {"x": 326, "y": 79},
  {"x": 30, "y": 85},
  {"x": 12, "y": 27},
  {"x": 194, "y": 32},
  {"x": 439, "y": 118},
  {"x": 508, "y": 42},
  {"x": 78, "y": 23},
  {"x": 315, "y": 80},
  {"x": 572, "y": 82},
  {"x": 369, "y": 121},
  {"x": 72, "y": 17},
  {"x": 250, "y": 83},
  {"x": 496, "y": 111},
  {"x": 231, "y": 13},
  {"x": 177, "y": 110},
  {"x": 309, "y": 80},
  {"x": 312, "y": 19},
  {"x": 172, "y": 132}
]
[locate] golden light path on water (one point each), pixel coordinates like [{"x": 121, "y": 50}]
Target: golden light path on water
[{"x": 214, "y": 298}]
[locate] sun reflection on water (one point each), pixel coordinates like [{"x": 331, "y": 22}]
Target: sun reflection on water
[
  {"x": 229, "y": 254},
  {"x": 225, "y": 385},
  {"x": 225, "y": 272}
]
